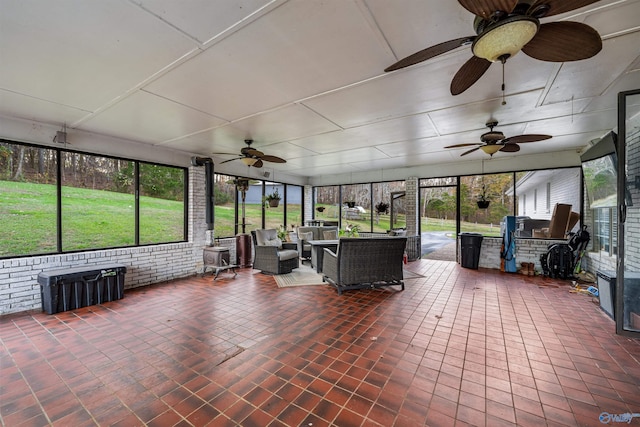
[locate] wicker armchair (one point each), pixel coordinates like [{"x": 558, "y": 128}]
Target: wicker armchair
[
  {"x": 365, "y": 263},
  {"x": 271, "y": 254},
  {"x": 317, "y": 233}
]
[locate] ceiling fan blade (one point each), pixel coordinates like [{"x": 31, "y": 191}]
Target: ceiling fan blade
[
  {"x": 463, "y": 145},
  {"x": 510, "y": 148},
  {"x": 430, "y": 52},
  {"x": 470, "y": 151},
  {"x": 272, "y": 159},
  {"x": 468, "y": 74},
  {"x": 251, "y": 152},
  {"x": 230, "y": 160},
  {"x": 557, "y": 7},
  {"x": 487, "y": 8},
  {"x": 258, "y": 164},
  {"x": 564, "y": 41},
  {"x": 525, "y": 138}
]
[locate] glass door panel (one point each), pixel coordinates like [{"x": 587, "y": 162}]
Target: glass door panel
[
  {"x": 628, "y": 288},
  {"x": 438, "y": 217}
]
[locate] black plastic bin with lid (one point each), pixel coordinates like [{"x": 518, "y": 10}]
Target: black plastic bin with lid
[
  {"x": 70, "y": 288},
  {"x": 470, "y": 244}
]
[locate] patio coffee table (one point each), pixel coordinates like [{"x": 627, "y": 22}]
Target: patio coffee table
[{"x": 317, "y": 251}]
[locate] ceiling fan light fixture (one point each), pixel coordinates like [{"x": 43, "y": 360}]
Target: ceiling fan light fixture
[
  {"x": 249, "y": 161},
  {"x": 491, "y": 149},
  {"x": 505, "y": 38}
]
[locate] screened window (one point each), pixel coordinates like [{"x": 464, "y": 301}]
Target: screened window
[
  {"x": 94, "y": 213},
  {"x": 605, "y": 223},
  {"x": 97, "y": 207},
  {"x": 294, "y": 206},
  {"x": 326, "y": 201},
  {"x": 548, "y": 198},
  {"x": 356, "y": 206},
  {"x": 274, "y": 215},
  {"x": 382, "y": 202},
  {"x": 27, "y": 200},
  {"x": 161, "y": 204},
  {"x": 224, "y": 198},
  {"x": 498, "y": 189}
]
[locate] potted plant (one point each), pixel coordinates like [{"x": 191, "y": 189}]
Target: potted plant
[
  {"x": 483, "y": 203},
  {"x": 282, "y": 233},
  {"x": 272, "y": 200},
  {"x": 351, "y": 230}
]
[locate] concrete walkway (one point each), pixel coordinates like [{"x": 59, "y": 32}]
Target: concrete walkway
[{"x": 443, "y": 253}]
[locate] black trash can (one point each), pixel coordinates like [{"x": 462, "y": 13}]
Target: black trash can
[{"x": 470, "y": 244}]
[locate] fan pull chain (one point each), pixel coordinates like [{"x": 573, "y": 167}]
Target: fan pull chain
[{"x": 504, "y": 101}]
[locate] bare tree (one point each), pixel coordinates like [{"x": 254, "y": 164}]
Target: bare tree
[{"x": 18, "y": 174}]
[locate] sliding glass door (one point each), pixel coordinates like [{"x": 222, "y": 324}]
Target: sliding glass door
[{"x": 628, "y": 283}]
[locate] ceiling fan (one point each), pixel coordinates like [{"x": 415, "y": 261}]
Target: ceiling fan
[
  {"x": 504, "y": 27},
  {"x": 252, "y": 157},
  {"x": 494, "y": 141}
]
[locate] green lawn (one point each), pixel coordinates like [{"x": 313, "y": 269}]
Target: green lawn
[
  {"x": 90, "y": 219},
  {"x": 101, "y": 219}
]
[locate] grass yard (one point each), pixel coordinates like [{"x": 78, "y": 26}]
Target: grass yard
[
  {"x": 90, "y": 219},
  {"x": 102, "y": 219}
]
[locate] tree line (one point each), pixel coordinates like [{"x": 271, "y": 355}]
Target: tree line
[{"x": 23, "y": 163}]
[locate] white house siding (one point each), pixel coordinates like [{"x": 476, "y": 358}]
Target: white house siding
[
  {"x": 600, "y": 260},
  {"x": 564, "y": 187},
  {"x": 632, "y": 224}
]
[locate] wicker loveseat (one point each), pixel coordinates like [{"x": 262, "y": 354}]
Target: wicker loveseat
[
  {"x": 365, "y": 263},
  {"x": 271, "y": 254},
  {"x": 317, "y": 233}
]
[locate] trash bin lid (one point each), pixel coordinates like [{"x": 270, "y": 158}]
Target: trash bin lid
[{"x": 470, "y": 234}]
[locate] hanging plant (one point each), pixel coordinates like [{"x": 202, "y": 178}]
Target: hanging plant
[
  {"x": 382, "y": 208},
  {"x": 272, "y": 200},
  {"x": 483, "y": 203}
]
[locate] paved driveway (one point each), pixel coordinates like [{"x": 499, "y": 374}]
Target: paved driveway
[{"x": 437, "y": 241}]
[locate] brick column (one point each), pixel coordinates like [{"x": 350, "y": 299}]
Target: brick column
[
  {"x": 411, "y": 206},
  {"x": 308, "y": 203},
  {"x": 197, "y": 221}
]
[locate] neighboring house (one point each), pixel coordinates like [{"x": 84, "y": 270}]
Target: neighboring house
[{"x": 539, "y": 191}]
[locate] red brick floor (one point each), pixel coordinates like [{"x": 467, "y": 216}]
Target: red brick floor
[{"x": 456, "y": 347}]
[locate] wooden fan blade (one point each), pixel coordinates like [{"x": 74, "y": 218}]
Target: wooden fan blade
[
  {"x": 230, "y": 160},
  {"x": 258, "y": 164},
  {"x": 557, "y": 7},
  {"x": 470, "y": 151},
  {"x": 251, "y": 152},
  {"x": 525, "y": 138},
  {"x": 563, "y": 42},
  {"x": 487, "y": 8},
  {"x": 510, "y": 148},
  {"x": 462, "y": 145},
  {"x": 430, "y": 52},
  {"x": 272, "y": 159},
  {"x": 468, "y": 74}
]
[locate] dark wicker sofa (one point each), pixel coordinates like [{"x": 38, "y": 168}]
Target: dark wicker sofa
[{"x": 365, "y": 263}]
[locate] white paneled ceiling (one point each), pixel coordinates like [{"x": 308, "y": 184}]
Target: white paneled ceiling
[{"x": 304, "y": 79}]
